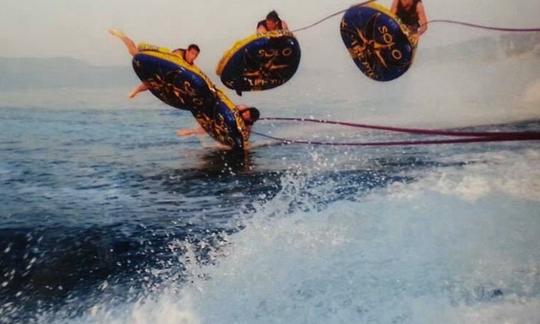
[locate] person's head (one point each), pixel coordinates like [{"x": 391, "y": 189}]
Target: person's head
[
  {"x": 272, "y": 20},
  {"x": 191, "y": 53},
  {"x": 250, "y": 115}
]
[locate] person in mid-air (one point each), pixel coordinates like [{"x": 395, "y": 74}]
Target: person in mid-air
[
  {"x": 271, "y": 23},
  {"x": 412, "y": 14},
  {"x": 189, "y": 55},
  {"x": 249, "y": 114}
]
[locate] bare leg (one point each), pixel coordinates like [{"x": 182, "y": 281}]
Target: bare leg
[
  {"x": 131, "y": 46},
  {"x": 140, "y": 88}
]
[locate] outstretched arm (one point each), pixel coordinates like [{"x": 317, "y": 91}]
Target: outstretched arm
[
  {"x": 422, "y": 19},
  {"x": 197, "y": 131}
]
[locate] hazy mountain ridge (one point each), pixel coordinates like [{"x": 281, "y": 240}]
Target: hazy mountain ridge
[
  {"x": 65, "y": 72},
  {"x": 44, "y": 73},
  {"x": 484, "y": 49}
]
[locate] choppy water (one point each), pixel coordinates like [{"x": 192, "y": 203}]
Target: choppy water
[{"x": 107, "y": 217}]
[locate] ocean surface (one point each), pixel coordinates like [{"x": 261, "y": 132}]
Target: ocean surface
[{"x": 107, "y": 217}]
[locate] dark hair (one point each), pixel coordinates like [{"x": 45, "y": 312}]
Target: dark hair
[
  {"x": 194, "y": 46},
  {"x": 273, "y": 15},
  {"x": 255, "y": 115}
]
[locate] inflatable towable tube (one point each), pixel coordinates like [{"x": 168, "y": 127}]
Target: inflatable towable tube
[
  {"x": 260, "y": 62},
  {"x": 184, "y": 86},
  {"x": 173, "y": 80},
  {"x": 223, "y": 122},
  {"x": 382, "y": 47}
]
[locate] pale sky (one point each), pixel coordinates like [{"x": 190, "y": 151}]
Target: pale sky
[{"x": 78, "y": 28}]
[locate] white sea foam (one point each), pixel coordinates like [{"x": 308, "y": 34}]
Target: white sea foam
[{"x": 459, "y": 244}]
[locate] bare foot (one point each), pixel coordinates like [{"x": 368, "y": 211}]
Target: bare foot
[{"x": 117, "y": 33}]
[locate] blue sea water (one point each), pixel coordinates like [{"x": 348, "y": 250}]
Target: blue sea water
[{"x": 108, "y": 217}]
